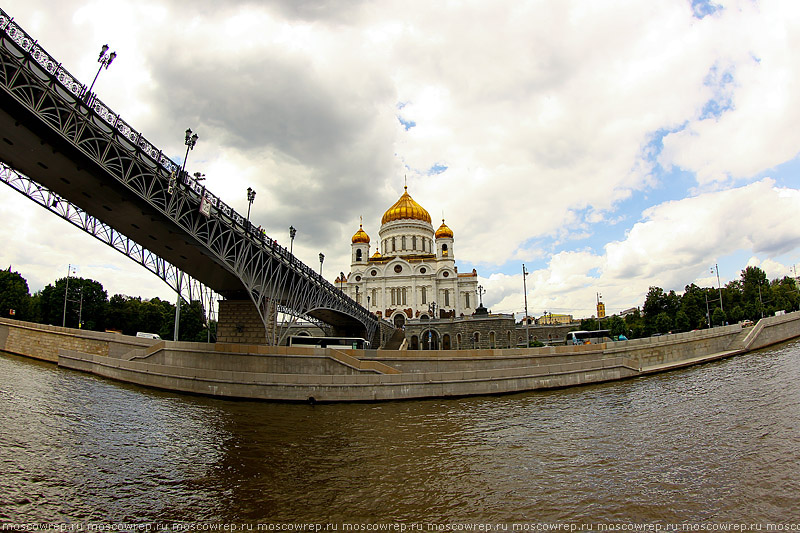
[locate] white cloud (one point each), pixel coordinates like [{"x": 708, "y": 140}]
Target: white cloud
[{"x": 548, "y": 117}]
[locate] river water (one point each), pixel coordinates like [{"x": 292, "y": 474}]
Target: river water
[{"x": 718, "y": 442}]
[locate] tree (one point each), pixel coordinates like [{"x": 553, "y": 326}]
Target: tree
[
  {"x": 14, "y": 295},
  {"x": 589, "y": 324},
  {"x": 86, "y": 300},
  {"x": 682, "y": 321},
  {"x": 663, "y": 322},
  {"x": 718, "y": 318},
  {"x": 617, "y": 326},
  {"x": 756, "y": 292},
  {"x": 693, "y": 305},
  {"x": 193, "y": 322}
]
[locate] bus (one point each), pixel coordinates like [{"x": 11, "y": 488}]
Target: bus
[
  {"x": 588, "y": 337},
  {"x": 356, "y": 343}
]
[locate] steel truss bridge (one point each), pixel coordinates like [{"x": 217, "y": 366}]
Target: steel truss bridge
[{"x": 63, "y": 148}]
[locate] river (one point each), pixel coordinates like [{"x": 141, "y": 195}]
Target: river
[{"x": 719, "y": 442}]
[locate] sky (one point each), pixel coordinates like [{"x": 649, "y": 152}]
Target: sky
[{"x": 607, "y": 146}]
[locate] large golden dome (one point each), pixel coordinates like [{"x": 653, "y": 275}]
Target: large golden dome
[
  {"x": 361, "y": 236},
  {"x": 406, "y": 208},
  {"x": 444, "y": 231}
]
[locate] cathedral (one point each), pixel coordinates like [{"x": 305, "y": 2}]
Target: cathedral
[{"x": 412, "y": 272}]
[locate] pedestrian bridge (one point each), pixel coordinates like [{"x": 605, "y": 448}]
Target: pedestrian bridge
[{"x": 63, "y": 148}]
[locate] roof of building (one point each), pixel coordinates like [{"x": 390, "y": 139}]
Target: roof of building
[
  {"x": 360, "y": 236},
  {"x": 444, "y": 231},
  {"x": 404, "y": 209}
]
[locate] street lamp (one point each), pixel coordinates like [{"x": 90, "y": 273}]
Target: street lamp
[
  {"x": 527, "y": 321},
  {"x": 292, "y": 233},
  {"x": 105, "y": 61},
  {"x": 321, "y": 259},
  {"x": 199, "y": 176},
  {"x": 251, "y": 195},
  {"x": 481, "y": 292},
  {"x": 191, "y": 140},
  {"x": 719, "y": 286},
  {"x": 72, "y": 269}
]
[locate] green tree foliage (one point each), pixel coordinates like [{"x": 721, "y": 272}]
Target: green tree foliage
[
  {"x": 663, "y": 322},
  {"x": 193, "y": 322},
  {"x": 785, "y": 295},
  {"x": 14, "y": 295},
  {"x": 616, "y": 326},
  {"x": 682, "y": 322},
  {"x": 132, "y": 314},
  {"x": 86, "y": 299},
  {"x": 718, "y": 318}
]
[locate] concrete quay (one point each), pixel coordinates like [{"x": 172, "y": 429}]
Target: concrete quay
[{"x": 333, "y": 375}]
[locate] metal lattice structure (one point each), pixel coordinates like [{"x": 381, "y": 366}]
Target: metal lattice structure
[
  {"x": 189, "y": 289},
  {"x": 123, "y": 162}
]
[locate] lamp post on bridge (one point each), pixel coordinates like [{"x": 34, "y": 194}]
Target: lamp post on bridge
[
  {"x": 105, "y": 61},
  {"x": 190, "y": 141},
  {"x": 251, "y": 195},
  {"x": 321, "y": 259},
  {"x": 292, "y": 233}
]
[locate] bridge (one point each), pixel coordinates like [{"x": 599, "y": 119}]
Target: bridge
[{"x": 63, "y": 148}]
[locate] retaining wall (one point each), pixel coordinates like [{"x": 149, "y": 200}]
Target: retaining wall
[{"x": 326, "y": 374}]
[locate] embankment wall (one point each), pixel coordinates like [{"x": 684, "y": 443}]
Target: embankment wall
[{"x": 301, "y": 374}]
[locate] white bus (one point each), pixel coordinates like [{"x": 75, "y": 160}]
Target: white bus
[{"x": 356, "y": 343}]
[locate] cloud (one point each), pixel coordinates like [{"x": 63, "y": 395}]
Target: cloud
[{"x": 535, "y": 127}]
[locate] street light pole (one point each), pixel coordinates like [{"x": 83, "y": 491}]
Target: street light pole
[
  {"x": 719, "y": 286},
  {"x": 251, "y": 195},
  {"x": 190, "y": 141},
  {"x": 321, "y": 259},
  {"x": 527, "y": 321},
  {"x": 105, "y": 61},
  {"x": 66, "y": 291},
  {"x": 292, "y": 233}
]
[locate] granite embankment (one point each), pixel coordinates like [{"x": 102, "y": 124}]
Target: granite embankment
[{"x": 326, "y": 374}]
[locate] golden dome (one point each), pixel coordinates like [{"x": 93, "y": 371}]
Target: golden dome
[
  {"x": 444, "y": 231},
  {"x": 406, "y": 208},
  {"x": 360, "y": 236},
  {"x": 376, "y": 255}
]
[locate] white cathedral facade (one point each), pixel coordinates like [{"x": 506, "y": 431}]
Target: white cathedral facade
[{"x": 412, "y": 272}]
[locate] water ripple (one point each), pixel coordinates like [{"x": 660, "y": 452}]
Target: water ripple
[{"x": 719, "y": 441}]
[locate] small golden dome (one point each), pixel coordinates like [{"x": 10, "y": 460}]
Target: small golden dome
[
  {"x": 376, "y": 255},
  {"x": 406, "y": 208},
  {"x": 360, "y": 236},
  {"x": 444, "y": 231}
]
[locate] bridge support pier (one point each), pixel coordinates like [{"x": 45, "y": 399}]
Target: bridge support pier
[{"x": 239, "y": 322}]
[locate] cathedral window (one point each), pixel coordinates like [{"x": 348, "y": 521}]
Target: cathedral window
[
  {"x": 403, "y": 291},
  {"x": 447, "y": 298},
  {"x": 414, "y": 242},
  {"x": 374, "y": 298},
  {"x": 394, "y": 244},
  {"x": 394, "y": 301},
  {"x": 358, "y": 255},
  {"x": 466, "y": 297},
  {"x": 424, "y": 295},
  {"x": 403, "y": 243}
]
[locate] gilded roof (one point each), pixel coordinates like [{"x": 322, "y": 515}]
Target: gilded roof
[
  {"x": 406, "y": 208},
  {"x": 444, "y": 231},
  {"x": 360, "y": 236}
]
